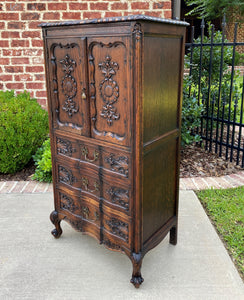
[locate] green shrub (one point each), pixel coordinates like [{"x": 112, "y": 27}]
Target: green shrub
[
  {"x": 43, "y": 162},
  {"x": 215, "y": 71},
  {"x": 239, "y": 59},
  {"x": 191, "y": 111},
  {"x": 23, "y": 127},
  {"x": 191, "y": 115}
]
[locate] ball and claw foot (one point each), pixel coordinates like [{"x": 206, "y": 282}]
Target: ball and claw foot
[
  {"x": 56, "y": 233},
  {"x": 55, "y": 220},
  {"x": 137, "y": 281},
  {"x": 136, "y": 259}
]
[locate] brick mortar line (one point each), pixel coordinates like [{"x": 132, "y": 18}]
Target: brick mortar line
[
  {"x": 22, "y": 190},
  {"x": 3, "y": 185},
  {"x": 14, "y": 185},
  {"x": 37, "y": 184},
  {"x": 229, "y": 182},
  {"x": 205, "y": 182}
]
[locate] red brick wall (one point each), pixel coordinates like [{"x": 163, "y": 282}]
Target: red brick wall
[
  {"x": 21, "y": 54},
  {"x": 240, "y": 35}
]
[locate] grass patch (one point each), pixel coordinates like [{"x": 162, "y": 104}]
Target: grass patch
[{"x": 226, "y": 210}]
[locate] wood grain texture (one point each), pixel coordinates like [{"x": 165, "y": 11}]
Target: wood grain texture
[{"x": 114, "y": 93}]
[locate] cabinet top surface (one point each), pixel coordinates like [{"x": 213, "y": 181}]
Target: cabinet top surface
[{"x": 115, "y": 19}]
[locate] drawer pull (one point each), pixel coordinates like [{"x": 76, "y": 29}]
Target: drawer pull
[
  {"x": 85, "y": 183},
  {"x": 86, "y": 214},
  {"x": 96, "y": 214},
  {"x": 84, "y": 152},
  {"x": 86, "y": 211}
]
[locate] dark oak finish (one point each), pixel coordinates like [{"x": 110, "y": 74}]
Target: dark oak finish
[{"x": 114, "y": 95}]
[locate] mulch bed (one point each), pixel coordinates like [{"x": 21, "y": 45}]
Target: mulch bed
[
  {"x": 195, "y": 161},
  {"x": 23, "y": 175}
]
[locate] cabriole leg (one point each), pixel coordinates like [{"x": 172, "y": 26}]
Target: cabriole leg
[
  {"x": 173, "y": 235},
  {"x": 136, "y": 260},
  {"x": 56, "y": 221}
]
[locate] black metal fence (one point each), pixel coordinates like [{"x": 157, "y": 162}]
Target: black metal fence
[{"x": 215, "y": 71}]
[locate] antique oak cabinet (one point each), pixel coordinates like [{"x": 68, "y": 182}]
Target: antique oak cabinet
[{"x": 114, "y": 96}]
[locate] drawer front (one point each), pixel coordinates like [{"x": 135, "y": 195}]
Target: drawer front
[
  {"x": 117, "y": 163},
  {"x": 116, "y": 228},
  {"x": 72, "y": 175},
  {"x": 91, "y": 217},
  {"x": 66, "y": 147},
  {"x": 69, "y": 202},
  {"x": 117, "y": 196},
  {"x": 111, "y": 162},
  {"x": 81, "y": 212}
]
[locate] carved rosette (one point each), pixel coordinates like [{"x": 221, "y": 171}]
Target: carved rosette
[
  {"x": 69, "y": 85},
  {"x": 109, "y": 90}
]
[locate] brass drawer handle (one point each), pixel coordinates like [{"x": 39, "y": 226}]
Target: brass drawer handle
[
  {"x": 84, "y": 152},
  {"x": 96, "y": 214},
  {"x": 86, "y": 213},
  {"x": 85, "y": 183}
]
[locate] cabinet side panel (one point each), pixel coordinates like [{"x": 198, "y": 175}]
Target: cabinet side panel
[
  {"x": 162, "y": 62},
  {"x": 159, "y": 181}
]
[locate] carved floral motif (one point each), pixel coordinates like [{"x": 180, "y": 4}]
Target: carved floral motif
[
  {"x": 69, "y": 85},
  {"x": 109, "y": 90},
  {"x": 119, "y": 164},
  {"x": 64, "y": 147},
  {"x": 67, "y": 203},
  {"x": 119, "y": 228},
  {"x": 66, "y": 176},
  {"x": 137, "y": 31},
  {"x": 119, "y": 196}
]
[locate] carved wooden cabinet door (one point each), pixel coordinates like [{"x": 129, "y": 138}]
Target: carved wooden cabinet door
[
  {"x": 68, "y": 84},
  {"x": 109, "y": 80}
]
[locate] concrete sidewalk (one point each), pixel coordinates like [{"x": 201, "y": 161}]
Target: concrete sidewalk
[{"x": 33, "y": 265}]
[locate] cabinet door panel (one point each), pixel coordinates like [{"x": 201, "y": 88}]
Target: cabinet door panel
[
  {"x": 110, "y": 80},
  {"x": 68, "y": 85}
]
